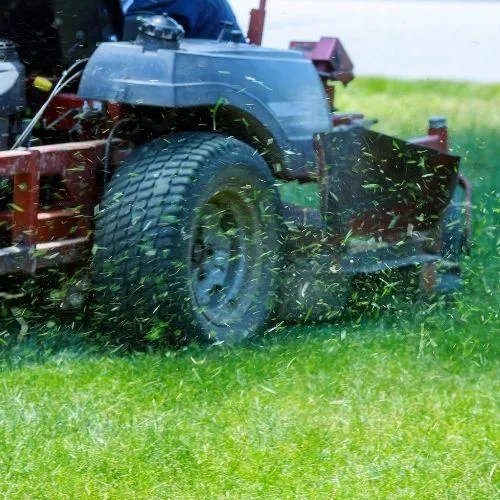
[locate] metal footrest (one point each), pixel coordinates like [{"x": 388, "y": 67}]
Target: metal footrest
[
  {"x": 15, "y": 259},
  {"x": 25, "y": 259},
  {"x": 383, "y": 259}
]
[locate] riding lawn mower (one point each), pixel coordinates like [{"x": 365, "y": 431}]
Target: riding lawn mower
[{"x": 158, "y": 165}]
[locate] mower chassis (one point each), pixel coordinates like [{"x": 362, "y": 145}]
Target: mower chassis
[{"x": 41, "y": 237}]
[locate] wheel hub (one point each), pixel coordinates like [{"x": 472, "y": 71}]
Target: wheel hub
[{"x": 222, "y": 258}]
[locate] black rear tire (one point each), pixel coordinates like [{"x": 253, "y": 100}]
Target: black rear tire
[{"x": 187, "y": 241}]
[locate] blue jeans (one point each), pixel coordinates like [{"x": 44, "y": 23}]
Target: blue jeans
[{"x": 200, "y": 18}]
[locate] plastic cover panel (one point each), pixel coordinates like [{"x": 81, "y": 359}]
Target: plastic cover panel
[{"x": 281, "y": 89}]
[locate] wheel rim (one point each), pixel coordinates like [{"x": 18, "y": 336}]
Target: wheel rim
[{"x": 225, "y": 258}]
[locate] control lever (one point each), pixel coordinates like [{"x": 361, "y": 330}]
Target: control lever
[{"x": 226, "y": 26}]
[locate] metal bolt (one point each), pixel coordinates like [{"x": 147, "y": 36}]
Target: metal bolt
[{"x": 438, "y": 122}]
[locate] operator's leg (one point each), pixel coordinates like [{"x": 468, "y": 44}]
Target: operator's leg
[{"x": 200, "y": 18}]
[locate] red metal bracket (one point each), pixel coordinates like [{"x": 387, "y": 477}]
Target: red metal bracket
[
  {"x": 437, "y": 136},
  {"x": 257, "y": 24}
]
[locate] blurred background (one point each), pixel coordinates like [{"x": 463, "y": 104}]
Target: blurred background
[{"x": 448, "y": 39}]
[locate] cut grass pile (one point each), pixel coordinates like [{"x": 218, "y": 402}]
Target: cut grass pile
[{"x": 397, "y": 400}]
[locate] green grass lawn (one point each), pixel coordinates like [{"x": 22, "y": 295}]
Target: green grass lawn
[{"x": 397, "y": 400}]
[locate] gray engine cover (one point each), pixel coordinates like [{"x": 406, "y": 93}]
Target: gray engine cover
[
  {"x": 12, "y": 97},
  {"x": 281, "y": 89}
]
